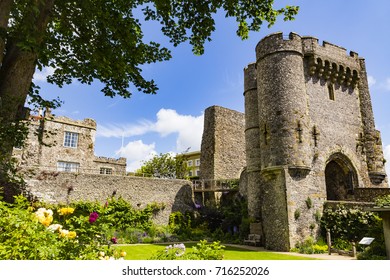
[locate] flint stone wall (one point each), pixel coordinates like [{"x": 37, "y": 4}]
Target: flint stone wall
[
  {"x": 57, "y": 187},
  {"x": 223, "y": 144}
]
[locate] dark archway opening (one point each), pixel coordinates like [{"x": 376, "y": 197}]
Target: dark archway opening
[{"x": 340, "y": 178}]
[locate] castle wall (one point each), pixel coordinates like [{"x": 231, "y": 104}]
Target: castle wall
[
  {"x": 274, "y": 209},
  {"x": 63, "y": 187},
  {"x": 223, "y": 144},
  {"x": 29, "y": 156}
]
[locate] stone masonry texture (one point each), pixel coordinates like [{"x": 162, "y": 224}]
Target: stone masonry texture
[
  {"x": 65, "y": 187},
  {"x": 45, "y": 148},
  {"x": 223, "y": 144}
]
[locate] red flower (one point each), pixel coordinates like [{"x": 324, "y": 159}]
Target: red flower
[{"x": 93, "y": 217}]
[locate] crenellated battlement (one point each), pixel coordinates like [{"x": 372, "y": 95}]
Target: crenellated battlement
[
  {"x": 331, "y": 62},
  {"x": 277, "y": 42},
  {"x": 327, "y": 61},
  {"x": 120, "y": 161},
  {"x": 311, "y": 45}
]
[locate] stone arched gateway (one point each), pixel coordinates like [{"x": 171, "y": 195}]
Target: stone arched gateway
[{"x": 340, "y": 178}]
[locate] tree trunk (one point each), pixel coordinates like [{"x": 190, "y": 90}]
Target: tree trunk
[
  {"x": 18, "y": 65},
  {"x": 5, "y": 8}
]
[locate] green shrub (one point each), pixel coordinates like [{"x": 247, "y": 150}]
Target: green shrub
[
  {"x": 350, "y": 224},
  {"x": 317, "y": 216},
  {"x": 202, "y": 251},
  {"x": 80, "y": 230},
  {"x": 297, "y": 214},
  {"x": 383, "y": 201},
  {"x": 309, "y": 246},
  {"x": 309, "y": 203},
  {"x": 27, "y": 233},
  {"x": 341, "y": 244},
  {"x": 205, "y": 251},
  {"x": 147, "y": 239},
  {"x": 371, "y": 253}
]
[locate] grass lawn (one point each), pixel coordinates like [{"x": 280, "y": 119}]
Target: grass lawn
[{"x": 145, "y": 251}]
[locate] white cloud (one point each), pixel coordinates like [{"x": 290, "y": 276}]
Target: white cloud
[
  {"x": 125, "y": 130},
  {"x": 387, "y": 84},
  {"x": 136, "y": 152},
  {"x": 387, "y": 157},
  {"x": 188, "y": 128},
  {"x": 41, "y": 76},
  {"x": 371, "y": 80}
]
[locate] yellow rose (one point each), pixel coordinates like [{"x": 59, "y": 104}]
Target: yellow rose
[
  {"x": 64, "y": 232},
  {"x": 46, "y": 221},
  {"x": 44, "y": 216},
  {"x": 72, "y": 234},
  {"x": 123, "y": 254},
  {"x": 66, "y": 210}
]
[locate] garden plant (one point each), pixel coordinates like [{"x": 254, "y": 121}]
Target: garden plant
[
  {"x": 82, "y": 230},
  {"x": 349, "y": 225}
]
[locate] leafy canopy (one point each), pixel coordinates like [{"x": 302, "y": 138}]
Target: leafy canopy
[
  {"x": 165, "y": 166},
  {"x": 104, "y": 40}
]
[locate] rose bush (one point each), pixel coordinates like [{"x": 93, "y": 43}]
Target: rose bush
[{"x": 39, "y": 233}]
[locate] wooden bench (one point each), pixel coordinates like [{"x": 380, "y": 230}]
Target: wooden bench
[{"x": 252, "y": 239}]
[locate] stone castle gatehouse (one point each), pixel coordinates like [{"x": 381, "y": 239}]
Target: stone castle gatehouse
[{"x": 310, "y": 136}]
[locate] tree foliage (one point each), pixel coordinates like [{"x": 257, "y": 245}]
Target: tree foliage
[
  {"x": 103, "y": 40},
  {"x": 165, "y": 166}
]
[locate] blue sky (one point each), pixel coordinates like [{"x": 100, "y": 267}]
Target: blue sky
[{"x": 172, "y": 120}]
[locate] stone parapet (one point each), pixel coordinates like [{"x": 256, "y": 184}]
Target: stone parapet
[
  {"x": 120, "y": 161},
  {"x": 87, "y": 123}
]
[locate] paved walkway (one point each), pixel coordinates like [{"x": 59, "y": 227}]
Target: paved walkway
[{"x": 333, "y": 256}]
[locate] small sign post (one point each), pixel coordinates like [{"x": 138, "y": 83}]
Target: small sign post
[{"x": 366, "y": 241}]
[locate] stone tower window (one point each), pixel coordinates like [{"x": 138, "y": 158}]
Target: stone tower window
[
  {"x": 71, "y": 139},
  {"x": 104, "y": 170},
  {"x": 265, "y": 134},
  {"x": 331, "y": 91}
]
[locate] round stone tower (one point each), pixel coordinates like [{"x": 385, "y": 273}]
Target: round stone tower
[
  {"x": 283, "y": 105},
  {"x": 252, "y": 139},
  {"x": 284, "y": 134}
]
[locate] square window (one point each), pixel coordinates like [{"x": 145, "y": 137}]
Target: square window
[
  {"x": 197, "y": 162},
  {"x": 71, "y": 139},
  {"x": 65, "y": 166},
  {"x": 107, "y": 171},
  {"x": 189, "y": 163}
]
